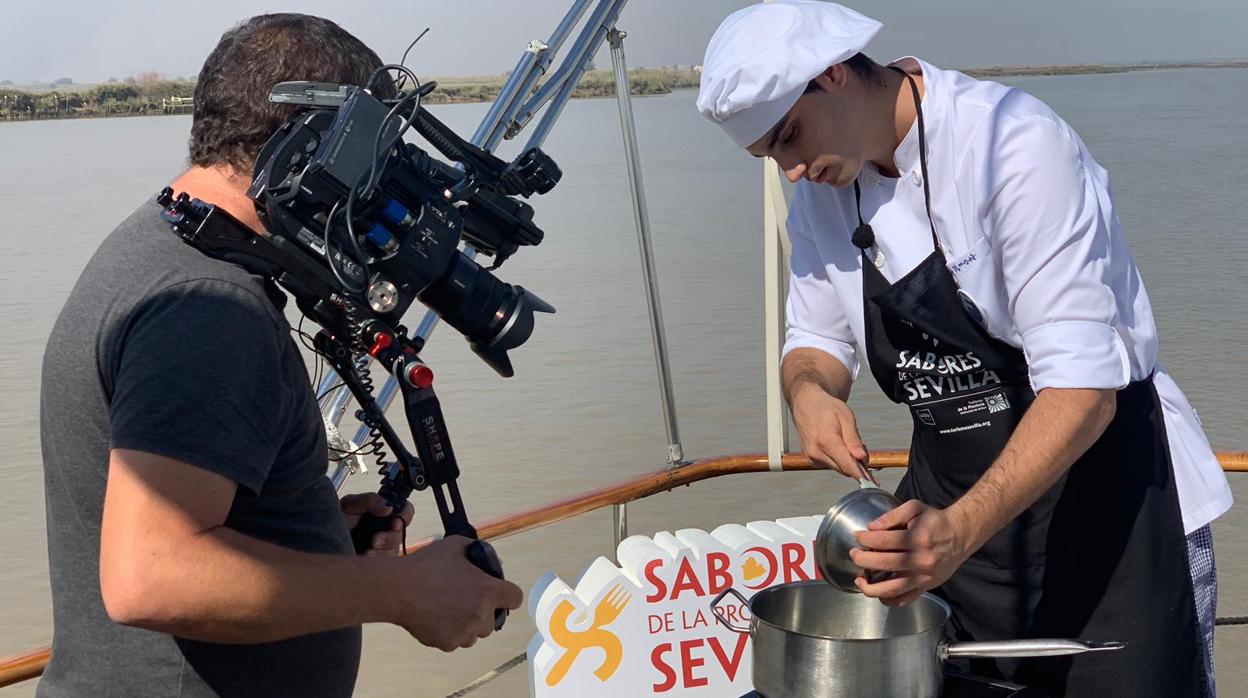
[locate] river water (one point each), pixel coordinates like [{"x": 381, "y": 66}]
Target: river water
[{"x": 583, "y": 408}]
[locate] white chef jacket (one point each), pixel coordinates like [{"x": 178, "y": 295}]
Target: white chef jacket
[{"x": 1026, "y": 220}]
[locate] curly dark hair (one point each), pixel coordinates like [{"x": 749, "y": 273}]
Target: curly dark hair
[{"x": 233, "y": 117}]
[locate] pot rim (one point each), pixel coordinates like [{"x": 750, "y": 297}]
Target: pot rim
[{"x": 755, "y": 620}]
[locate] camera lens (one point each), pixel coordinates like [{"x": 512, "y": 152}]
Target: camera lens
[{"x": 493, "y": 315}]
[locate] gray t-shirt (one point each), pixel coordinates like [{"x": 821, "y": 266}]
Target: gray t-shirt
[{"x": 163, "y": 349}]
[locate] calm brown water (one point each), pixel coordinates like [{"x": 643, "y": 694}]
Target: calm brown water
[{"x": 583, "y": 408}]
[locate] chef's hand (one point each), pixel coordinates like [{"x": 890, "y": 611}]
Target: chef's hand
[
  {"x": 829, "y": 432},
  {"x": 924, "y": 547},
  {"x": 355, "y": 506}
]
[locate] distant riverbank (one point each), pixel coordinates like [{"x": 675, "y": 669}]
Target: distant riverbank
[
  {"x": 1092, "y": 69},
  {"x": 159, "y": 97}
]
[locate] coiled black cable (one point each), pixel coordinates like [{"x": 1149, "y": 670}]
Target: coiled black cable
[{"x": 375, "y": 445}]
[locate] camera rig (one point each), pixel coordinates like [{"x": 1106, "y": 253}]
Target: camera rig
[{"x": 358, "y": 224}]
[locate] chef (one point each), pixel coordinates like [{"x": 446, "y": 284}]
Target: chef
[{"x": 956, "y": 237}]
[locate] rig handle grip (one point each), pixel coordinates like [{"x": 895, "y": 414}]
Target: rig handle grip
[
  {"x": 482, "y": 555},
  {"x": 369, "y": 526}
]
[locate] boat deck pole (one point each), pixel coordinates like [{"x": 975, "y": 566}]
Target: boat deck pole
[
  {"x": 775, "y": 269},
  {"x": 641, "y": 218}
]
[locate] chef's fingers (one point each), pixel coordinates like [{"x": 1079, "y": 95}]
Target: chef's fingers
[
  {"x": 899, "y": 517},
  {"x": 885, "y": 540},
  {"x": 820, "y": 455},
  {"x": 818, "y": 458},
  {"x": 889, "y": 588},
  {"x": 843, "y": 461},
  {"x": 881, "y": 562},
  {"x": 853, "y": 440},
  {"x": 921, "y": 561}
]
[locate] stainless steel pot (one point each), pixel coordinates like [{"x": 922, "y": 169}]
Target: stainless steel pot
[{"x": 811, "y": 640}]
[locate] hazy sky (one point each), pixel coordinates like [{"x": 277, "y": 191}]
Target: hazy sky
[{"x": 90, "y": 40}]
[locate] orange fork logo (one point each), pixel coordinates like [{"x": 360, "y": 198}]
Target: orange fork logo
[{"x": 574, "y": 641}]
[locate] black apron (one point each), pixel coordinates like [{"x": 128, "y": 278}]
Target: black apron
[{"x": 1100, "y": 556}]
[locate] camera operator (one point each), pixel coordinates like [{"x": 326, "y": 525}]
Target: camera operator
[{"x": 196, "y": 546}]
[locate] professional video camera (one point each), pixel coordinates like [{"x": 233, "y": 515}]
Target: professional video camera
[
  {"x": 359, "y": 224},
  {"x": 386, "y": 218}
]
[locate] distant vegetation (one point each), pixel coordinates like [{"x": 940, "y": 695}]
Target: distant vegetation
[
  {"x": 1004, "y": 71},
  {"x": 154, "y": 93},
  {"x": 595, "y": 83},
  {"x": 147, "y": 93}
]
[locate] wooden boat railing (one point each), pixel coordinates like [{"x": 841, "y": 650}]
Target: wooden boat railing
[{"x": 30, "y": 664}]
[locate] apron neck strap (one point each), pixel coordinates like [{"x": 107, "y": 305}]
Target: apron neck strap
[{"x": 864, "y": 236}]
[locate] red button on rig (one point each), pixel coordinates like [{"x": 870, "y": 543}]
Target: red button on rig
[
  {"x": 381, "y": 341},
  {"x": 420, "y": 376}
]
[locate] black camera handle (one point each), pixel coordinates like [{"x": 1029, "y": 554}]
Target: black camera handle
[
  {"x": 434, "y": 466},
  {"x": 215, "y": 232}
]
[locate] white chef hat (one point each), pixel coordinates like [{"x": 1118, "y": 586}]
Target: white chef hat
[{"x": 762, "y": 57}]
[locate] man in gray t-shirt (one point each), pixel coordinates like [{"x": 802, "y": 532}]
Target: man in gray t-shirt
[{"x": 196, "y": 546}]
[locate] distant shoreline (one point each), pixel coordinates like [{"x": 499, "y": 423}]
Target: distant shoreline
[
  {"x": 84, "y": 102},
  {"x": 1095, "y": 68}
]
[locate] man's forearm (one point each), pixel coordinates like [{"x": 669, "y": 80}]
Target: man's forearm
[
  {"x": 223, "y": 586},
  {"x": 805, "y": 368},
  {"x": 1058, "y": 428}
]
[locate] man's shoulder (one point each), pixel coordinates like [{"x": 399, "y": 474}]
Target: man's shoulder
[
  {"x": 142, "y": 259},
  {"x": 980, "y": 110},
  {"x": 146, "y": 243},
  {"x": 142, "y": 275}
]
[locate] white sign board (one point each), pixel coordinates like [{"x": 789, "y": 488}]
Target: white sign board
[{"x": 645, "y": 628}]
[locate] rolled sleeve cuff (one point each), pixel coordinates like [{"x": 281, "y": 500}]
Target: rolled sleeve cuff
[
  {"x": 837, "y": 349},
  {"x": 1076, "y": 354}
]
